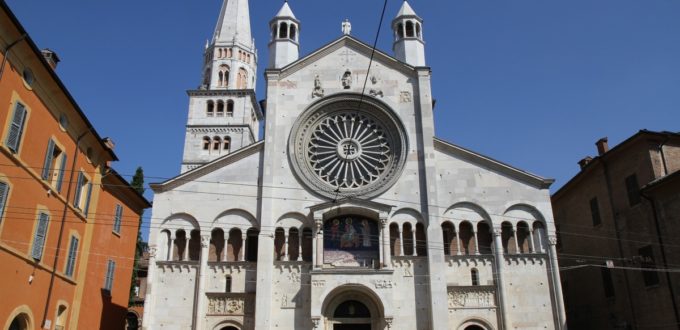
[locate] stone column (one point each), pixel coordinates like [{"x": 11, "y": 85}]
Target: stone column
[
  {"x": 557, "y": 283},
  {"x": 531, "y": 241},
  {"x": 477, "y": 242},
  {"x": 514, "y": 233},
  {"x": 186, "y": 248},
  {"x": 401, "y": 242},
  {"x": 458, "y": 243},
  {"x": 387, "y": 257},
  {"x": 199, "y": 318},
  {"x": 286, "y": 252},
  {"x": 319, "y": 243},
  {"x": 148, "y": 297},
  {"x": 171, "y": 250},
  {"x": 500, "y": 265},
  {"x": 299, "y": 256},
  {"x": 225, "y": 249},
  {"x": 415, "y": 244},
  {"x": 242, "y": 253}
]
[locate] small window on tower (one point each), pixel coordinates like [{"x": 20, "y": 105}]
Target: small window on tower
[
  {"x": 220, "y": 108},
  {"x": 409, "y": 29},
  {"x": 293, "y": 32},
  {"x": 400, "y": 30},
  {"x": 418, "y": 30},
  {"x": 216, "y": 143},
  {"x": 283, "y": 31},
  {"x": 210, "y": 111},
  {"x": 230, "y": 108},
  {"x": 206, "y": 143}
]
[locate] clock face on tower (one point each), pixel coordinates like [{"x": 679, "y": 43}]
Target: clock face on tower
[{"x": 348, "y": 146}]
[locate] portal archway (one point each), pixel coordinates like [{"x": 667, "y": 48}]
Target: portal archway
[{"x": 353, "y": 307}]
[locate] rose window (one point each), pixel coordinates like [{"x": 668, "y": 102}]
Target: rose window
[{"x": 348, "y": 148}]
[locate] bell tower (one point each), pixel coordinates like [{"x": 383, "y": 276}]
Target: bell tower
[
  {"x": 409, "y": 46},
  {"x": 223, "y": 112}
]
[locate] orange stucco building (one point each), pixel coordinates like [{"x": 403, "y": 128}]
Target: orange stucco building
[{"x": 68, "y": 222}]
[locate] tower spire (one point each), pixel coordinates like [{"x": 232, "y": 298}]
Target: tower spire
[
  {"x": 409, "y": 46},
  {"x": 233, "y": 25}
]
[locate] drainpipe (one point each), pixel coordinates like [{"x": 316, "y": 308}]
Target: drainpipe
[
  {"x": 61, "y": 225},
  {"x": 6, "y": 52}
]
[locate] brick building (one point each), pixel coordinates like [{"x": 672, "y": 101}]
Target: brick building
[
  {"x": 622, "y": 209},
  {"x": 68, "y": 222}
]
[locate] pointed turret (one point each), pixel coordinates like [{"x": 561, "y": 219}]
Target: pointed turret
[
  {"x": 409, "y": 46},
  {"x": 284, "y": 47}
]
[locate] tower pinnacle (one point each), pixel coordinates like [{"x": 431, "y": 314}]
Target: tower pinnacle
[{"x": 233, "y": 25}]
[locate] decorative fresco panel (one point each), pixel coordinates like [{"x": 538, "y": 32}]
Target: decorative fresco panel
[{"x": 351, "y": 241}]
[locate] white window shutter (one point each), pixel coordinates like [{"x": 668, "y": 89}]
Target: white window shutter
[{"x": 62, "y": 170}]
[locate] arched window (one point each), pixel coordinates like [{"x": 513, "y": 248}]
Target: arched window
[
  {"x": 227, "y": 144},
  {"x": 229, "y": 52},
  {"x": 195, "y": 245},
  {"x": 220, "y": 108},
  {"x": 60, "y": 322},
  {"x": 474, "y": 276},
  {"x": 235, "y": 245},
  {"x": 217, "y": 142},
  {"x": 418, "y": 30},
  {"x": 216, "y": 249},
  {"x": 539, "y": 238},
  {"x": 210, "y": 109},
  {"x": 20, "y": 322},
  {"x": 279, "y": 244},
  {"x": 407, "y": 234},
  {"x": 220, "y": 53},
  {"x": 466, "y": 237},
  {"x": 230, "y": 108},
  {"x": 421, "y": 240},
  {"x": 293, "y": 31},
  {"x": 523, "y": 237},
  {"x": 223, "y": 76},
  {"x": 307, "y": 244},
  {"x": 251, "y": 244},
  {"x": 484, "y": 238},
  {"x": 508, "y": 238},
  {"x": 206, "y": 143},
  {"x": 394, "y": 240},
  {"x": 400, "y": 30},
  {"x": 180, "y": 245},
  {"x": 227, "y": 285},
  {"x": 409, "y": 29},
  {"x": 242, "y": 78},
  {"x": 449, "y": 236},
  {"x": 283, "y": 31},
  {"x": 293, "y": 244}
]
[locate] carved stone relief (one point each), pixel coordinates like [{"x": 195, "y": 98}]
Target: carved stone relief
[
  {"x": 405, "y": 97},
  {"x": 347, "y": 79},
  {"x": 471, "y": 297},
  {"x": 318, "y": 90},
  {"x": 226, "y": 306},
  {"x": 384, "y": 284},
  {"x": 375, "y": 91}
]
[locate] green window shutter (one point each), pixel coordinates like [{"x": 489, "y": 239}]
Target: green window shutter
[
  {"x": 76, "y": 198},
  {"x": 16, "y": 128},
  {"x": 4, "y": 192},
  {"x": 118, "y": 219},
  {"x": 40, "y": 234},
  {"x": 71, "y": 261},
  {"x": 87, "y": 199},
  {"x": 60, "y": 179},
  {"x": 48, "y": 160}
]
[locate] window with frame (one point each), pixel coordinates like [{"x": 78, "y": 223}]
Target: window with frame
[
  {"x": 117, "y": 219},
  {"x": 210, "y": 110},
  {"x": 206, "y": 143},
  {"x": 54, "y": 165},
  {"x": 108, "y": 280},
  {"x": 230, "y": 108},
  {"x": 595, "y": 212},
  {"x": 651, "y": 277},
  {"x": 474, "y": 275},
  {"x": 4, "y": 192},
  {"x": 227, "y": 144},
  {"x": 81, "y": 200},
  {"x": 40, "y": 235},
  {"x": 220, "y": 108},
  {"x": 633, "y": 189},
  {"x": 71, "y": 258},
  {"x": 16, "y": 127}
]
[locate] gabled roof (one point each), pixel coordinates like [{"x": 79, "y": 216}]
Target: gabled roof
[
  {"x": 492, "y": 164},
  {"x": 207, "y": 168},
  {"x": 348, "y": 41}
]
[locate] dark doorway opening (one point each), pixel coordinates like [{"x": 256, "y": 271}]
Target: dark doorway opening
[{"x": 352, "y": 327}]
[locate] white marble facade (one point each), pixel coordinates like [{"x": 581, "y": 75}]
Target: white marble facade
[{"x": 421, "y": 234}]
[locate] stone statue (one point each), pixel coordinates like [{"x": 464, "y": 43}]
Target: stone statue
[
  {"x": 318, "y": 90},
  {"x": 347, "y": 79},
  {"x": 346, "y": 27}
]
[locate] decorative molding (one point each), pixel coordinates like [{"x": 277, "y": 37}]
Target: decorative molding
[{"x": 471, "y": 297}]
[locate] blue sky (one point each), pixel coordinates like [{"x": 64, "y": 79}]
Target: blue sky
[{"x": 532, "y": 83}]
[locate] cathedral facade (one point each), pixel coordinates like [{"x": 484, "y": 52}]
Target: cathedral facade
[{"x": 349, "y": 213}]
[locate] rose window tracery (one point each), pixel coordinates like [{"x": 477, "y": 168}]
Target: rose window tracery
[{"x": 341, "y": 147}]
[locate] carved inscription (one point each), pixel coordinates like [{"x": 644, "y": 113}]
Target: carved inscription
[
  {"x": 318, "y": 283},
  {"x": 384, "y": 284}
]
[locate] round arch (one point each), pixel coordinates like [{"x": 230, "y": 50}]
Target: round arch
[
  {"x": 179, "y": 221},
  {"x": 467, "y": 211},
  {"x": 353, "y": 293},
  {"x": 228, "y": 325},
  {"x": 24, "y": 315},
  {"x": 475, "y": 324},
  {"x": 235, "y": 218}
]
